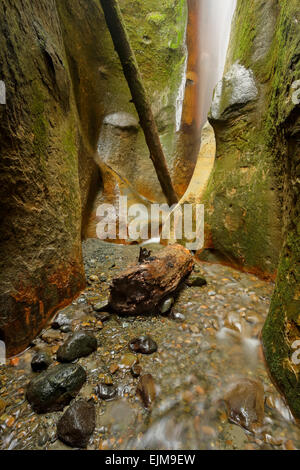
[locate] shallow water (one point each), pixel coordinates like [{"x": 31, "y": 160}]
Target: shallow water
[{"x": 197, "y": 360}]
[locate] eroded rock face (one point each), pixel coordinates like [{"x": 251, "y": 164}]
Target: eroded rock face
[
  {"x": 233, "y": 92},
  {"x": 77, "y": 424},
  {"x": 53, "y": 389}
]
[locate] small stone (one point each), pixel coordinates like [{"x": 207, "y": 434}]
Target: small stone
[
  {"x": 106, "y": 392},
  {"x": 40, "y": 361},
  {"x": 60, "y": 321},
  {"x": 177, "y": 316},
  {"x": 245, "y": 403},
  {"x": 3, "y": 405},
  {"x": 136, "y": 370},
  {"x": 195, "y": 280},
  {"x": 146, "y": 390},
  {"x": 194, "y": 329},
  {"x": 94, "y": 278},
  {"x": 127, "y": 361},
  {"x": 143, "y": 344},
  {"x": 113, "y": 368},
  {"x": 66, "y": 328},
  {"x": 53, "y": 389},
  {"x": 80, "y": 344},
  {"x": 77, "y": 424},
  {"x": 10, "y": 421},
  {"x": 102, "y": 306},
  {"x": 167, "y": 305}
]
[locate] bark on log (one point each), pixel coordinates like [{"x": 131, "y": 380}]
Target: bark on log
[
  {"x": 116, "y": 26},
  {"x": 141, "y": 288}
]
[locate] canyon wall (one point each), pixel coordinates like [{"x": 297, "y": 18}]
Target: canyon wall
[
  {"x": 65, "y": 88},
  {"x": 252, "y": 200},
  {"x": 244, "y": 196}
]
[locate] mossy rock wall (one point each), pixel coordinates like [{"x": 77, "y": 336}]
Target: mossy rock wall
[
  {"x": 157, "y": 34},
  {"x": 244, "y": 196},
  {"x": 281, "y": 333}
]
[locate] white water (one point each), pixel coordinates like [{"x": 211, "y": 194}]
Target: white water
[{"x": 215, "y": 26}]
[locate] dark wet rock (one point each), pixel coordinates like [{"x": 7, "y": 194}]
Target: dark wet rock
[
  {"x": 103, "y": 316},
  {"x": 40, "y": 361},
  {"x": 146, "y": 390},
  {"x": 177, "y": 316},
  {"x": 80, "y": 344},
  {"x": 77, "y": 424},
  {"x": 60, "y": 321},
  {"x": 53, "y": 389},
  {"x": 245, "y": 403},
  {"x": 143, "y": 344},
  {"x": 196, "y": 280},
  {"x": 102, "y": 306},
  {"x": 105, "y": 391},
  {"x": 167, "y": 305},
  {"x": 136, "y": 370}
]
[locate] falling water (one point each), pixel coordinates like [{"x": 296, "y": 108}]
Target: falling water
[{"x": 214, "y": 25}]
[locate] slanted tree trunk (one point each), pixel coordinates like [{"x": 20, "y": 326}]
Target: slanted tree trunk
[
  {"x": 140, "y": 289},
  {"x": 116, "y": 26}
]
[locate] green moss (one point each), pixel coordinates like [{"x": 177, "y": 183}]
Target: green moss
[
  {"x": 245, "y": 31},
  {"x": 156, "y": 17}
]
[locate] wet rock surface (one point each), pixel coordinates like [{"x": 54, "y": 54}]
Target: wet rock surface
[
  {"x": 77, "y": 424},
  {"x": 53, "y": 390},
  {"x": 78, "y": 345},
  {"x": 202, "y": 354}
]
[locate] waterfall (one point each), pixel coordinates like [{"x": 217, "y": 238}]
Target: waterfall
[{"x": 214, "y": 25}]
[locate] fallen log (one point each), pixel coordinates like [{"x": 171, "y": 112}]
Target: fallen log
[{"x": 140, "y": 289}]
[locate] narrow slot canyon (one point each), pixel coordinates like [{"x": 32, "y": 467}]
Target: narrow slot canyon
[{"x": 150, "y": 241}]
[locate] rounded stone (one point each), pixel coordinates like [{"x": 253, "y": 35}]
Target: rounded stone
[
  {"x": 53, "y": 389},
  {"x": 80, "y": 344},
  {"x": 106, "y": 392}
]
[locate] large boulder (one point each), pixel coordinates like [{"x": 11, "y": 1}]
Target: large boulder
[{"x": 53, "y": 389}]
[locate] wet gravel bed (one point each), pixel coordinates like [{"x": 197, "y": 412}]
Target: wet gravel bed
[{"x": 209, "y": 342}]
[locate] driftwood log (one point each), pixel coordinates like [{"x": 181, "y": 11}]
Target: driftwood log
[{"x": 140, "y": 289}]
